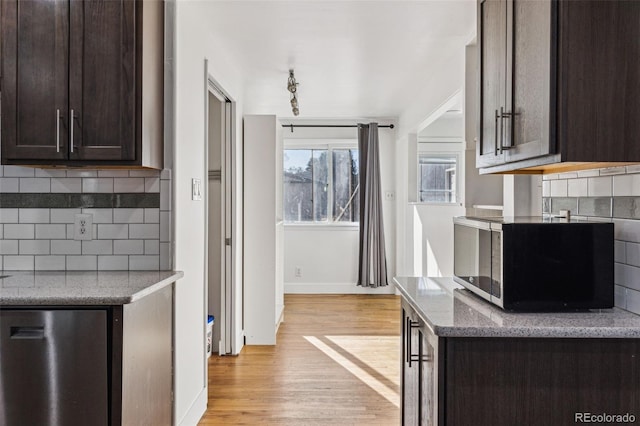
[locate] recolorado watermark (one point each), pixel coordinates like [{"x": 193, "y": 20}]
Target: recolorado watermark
[{"x": 604, "y": 418}]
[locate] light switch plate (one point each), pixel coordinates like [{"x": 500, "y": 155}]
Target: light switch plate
[{"x": 196, "y": 189}]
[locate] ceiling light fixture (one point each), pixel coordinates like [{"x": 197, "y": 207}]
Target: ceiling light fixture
[{"x": 292, "y": 87}]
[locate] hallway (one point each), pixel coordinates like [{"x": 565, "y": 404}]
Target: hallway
[{"x": 337, "y": 362}]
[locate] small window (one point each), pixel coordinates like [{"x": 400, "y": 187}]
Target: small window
[
  {"x": 312, "y": 194},
  {"x": 437, "y": 178}
]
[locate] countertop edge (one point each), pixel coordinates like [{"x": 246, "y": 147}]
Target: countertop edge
[
  {"x": 568, "y": 332},
  {"x": 155, "y": 287}
]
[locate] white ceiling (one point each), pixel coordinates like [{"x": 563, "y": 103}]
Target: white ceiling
[{"x": 351, "y": 58}]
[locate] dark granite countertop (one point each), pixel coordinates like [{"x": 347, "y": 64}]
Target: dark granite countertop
[
  {"x": 452, "y": 311},
  {"x": 37, "y": 288}
]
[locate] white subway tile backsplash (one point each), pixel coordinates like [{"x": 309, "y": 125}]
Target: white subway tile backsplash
[
  {"x": 633, "y": 301},
  {"x": 589, "y": 173},
  {"x": 144, "y": 263},
  {"x": 66, "y": 185},
  {"x": 626, "y": 230},
  {"x": 18, "y": 171},
  {"x": 64, "y": 215},
  {"x": 51, "y": 173},
  {"x": 152, "y": 184},
  {"x": 620, "y": 297},
  {"x": 146, "y": 231},
  {"x": 82, "y": 173},
  {"x": 632, "y": 254},
  {"x": 600, "y": 186},
  {"x": 546, "y": 188},
  {"x": 113, "y": 232},
  {"x": 165, "y": 195},
  {"x": 8, "y": 247},
  {"x": 627, "y": 276},
  {"x": 9, "y": 185},
  {"x": 165, "y": 256},
  {"x": 100, "y": 215},
  {"x": 18, "y": 263},
  {"x": 165, "y": 227},
  {"x": 128, "y": 215},
  {"x": 33, "y": 215},
  {"x": 619, "y": 252},
  {"x": 97, "y": 185},
  {"x": 113, "y": 173},
  {"x": 66, "y": 247},
  {"x": 577, "y": 187},
  {"x": 608, "y": 171},
  {"x": 34, "y": 247},
  {"x": 550, "y": 176},
  {"x": 19, "y": 232},
  {"x": 8, "y": 215},
  {"x": 568, "y": 175},
  {"x": 558, "y": 188},
  {"x": 50, "y": 263},
  {"x": 144, "y": 173},
  {"x": 82, "y": 263},
  {"x": 128, "y": 185},
  {"x": 151, "y": 247},
  {"x": 626, "y": 185},
  {"x": 113, "y": 263},
  {"x": 152, "y": 216},
  {"x": 633, "y": 168},
  {"x": 35, "y": 185},
  {"x": 97, "y": 247},
  {"x": 128, "y": 247}
]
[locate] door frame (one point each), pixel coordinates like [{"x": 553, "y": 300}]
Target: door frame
[{"x": 228, "y": 340}]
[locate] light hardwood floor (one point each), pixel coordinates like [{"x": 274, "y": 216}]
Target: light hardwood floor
[{"x": 336, "y": 362}]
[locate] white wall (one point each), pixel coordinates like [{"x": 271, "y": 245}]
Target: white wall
[
  {"x": 193, "y": 45},
  {"x": 329, "y": 255}
]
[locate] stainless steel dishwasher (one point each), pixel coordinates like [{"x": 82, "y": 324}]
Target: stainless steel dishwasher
[{"x": 53, "y": 367}]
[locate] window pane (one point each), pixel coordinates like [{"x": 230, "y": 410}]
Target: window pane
[
  {"x": 437, "y": 178},
  {"x": 346, "y": 200},
  {"x": 320, "y": 184},
  {"x": 297, "y": 194}
]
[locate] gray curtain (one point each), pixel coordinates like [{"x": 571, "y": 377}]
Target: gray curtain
[{"x": 372, "y": 268}]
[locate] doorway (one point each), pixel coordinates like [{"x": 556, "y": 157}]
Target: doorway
[{"x": 219, "y": 161}]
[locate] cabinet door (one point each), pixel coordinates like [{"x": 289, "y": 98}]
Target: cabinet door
[
  {"x": 428, "y": 377},
  {"x": 34, "y": 79},
  {"x": 410, "y": 369},
  {"x": 102, "y": 79},
  {"x": 492, "y": 69},
  {"x": 529, "y": 117}
]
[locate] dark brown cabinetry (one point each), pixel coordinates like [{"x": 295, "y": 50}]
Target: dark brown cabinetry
[
  {"x": 559, "y": 84},
  {"x": 73, "y": 91},
  {"x": 494, "y": 381}
]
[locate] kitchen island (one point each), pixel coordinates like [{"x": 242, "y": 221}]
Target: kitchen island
[
  {"x": 466, "y": 361},
  {"x": 91, "y": 347}
]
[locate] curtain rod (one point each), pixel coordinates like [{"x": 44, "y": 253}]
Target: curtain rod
[{"x": 291, "y": 126}]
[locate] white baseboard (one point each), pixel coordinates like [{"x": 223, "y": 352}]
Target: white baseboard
[
  {"x": 196, "y": 411},
  {"x": 335, "y": 288}
]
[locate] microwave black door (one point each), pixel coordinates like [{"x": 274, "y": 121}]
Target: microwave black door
[{"x": 472, "y": 257}]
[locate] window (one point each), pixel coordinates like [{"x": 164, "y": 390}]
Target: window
[
  {"x": 321, "y": 185},
  {"x": 437, "y": 178}
]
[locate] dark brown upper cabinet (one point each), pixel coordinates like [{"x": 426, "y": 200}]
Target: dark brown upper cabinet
[
  {"x": 82, "y": 82},
  {"x": 559, "y": 85}
]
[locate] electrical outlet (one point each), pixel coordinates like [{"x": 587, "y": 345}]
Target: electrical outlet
[
  {"x": 83, "y": 227},
  {"x": 389, "y": 196},
  {"x": 298, "y": 271}
]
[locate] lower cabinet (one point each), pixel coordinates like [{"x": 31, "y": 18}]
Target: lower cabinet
[
  {"x": 494, "y": 381},
  {"x": 88, "y": 365},
  {"x": 419, "y": 371}
]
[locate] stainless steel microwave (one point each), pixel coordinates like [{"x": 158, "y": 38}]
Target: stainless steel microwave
[{"x": 536, "y": 263}]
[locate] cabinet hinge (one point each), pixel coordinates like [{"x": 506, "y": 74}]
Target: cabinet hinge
[{"x": 227, "y": 241}]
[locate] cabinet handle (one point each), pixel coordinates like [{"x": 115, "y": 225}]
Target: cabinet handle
[
  {"x": 57, "y": 130},
  {"x": 495, "y": 139},
  {"x": 71, "y": 117},
  {"x": 510, "y": 116},
  {"x": 501, "y": 129},
  {"x": 411, "y": 357}
]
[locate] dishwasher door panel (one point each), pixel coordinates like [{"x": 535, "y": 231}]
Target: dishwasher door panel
[{"x": 53, "y": 367}]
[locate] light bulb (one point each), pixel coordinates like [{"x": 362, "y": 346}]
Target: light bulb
[{"x": 296, "y": 111}]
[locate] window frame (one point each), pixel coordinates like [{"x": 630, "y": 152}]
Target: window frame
[
  {"x": 329, "y": 146},
  {"x": 438, "y": 154}
]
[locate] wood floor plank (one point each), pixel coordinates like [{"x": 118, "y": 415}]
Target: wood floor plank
[{"x": 336, "y": 362}]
